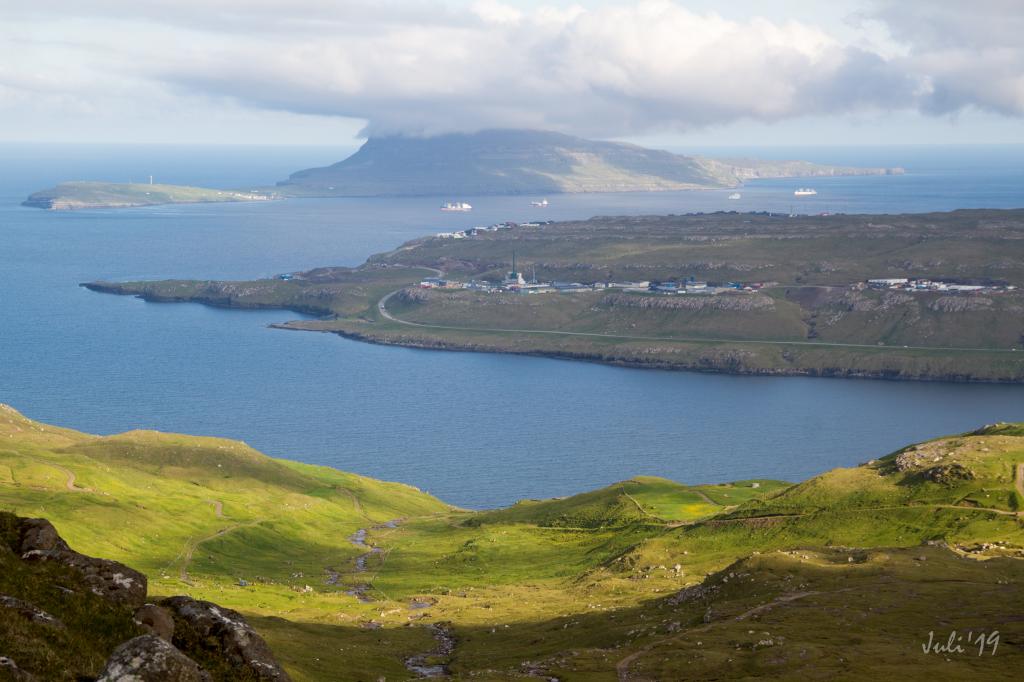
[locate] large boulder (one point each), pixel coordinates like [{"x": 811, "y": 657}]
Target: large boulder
[
  {"x": 150, "y": 659},
  {"x": 155, "y": 620},
  {"x": 9, "y": 670},
  {"x": 39, "y": 541},
  {"x": 28, "y": 611},
  {"x": 221, "y": 641}
]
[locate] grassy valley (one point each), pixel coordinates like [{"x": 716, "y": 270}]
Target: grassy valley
[{"x": 351, "y": 578}]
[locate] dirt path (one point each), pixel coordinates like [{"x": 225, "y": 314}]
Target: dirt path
[
  {"x": 639, "y": 506},
  {"x": 218, "y": 508},
  {"x": 705, "y": 498},
  {"x": 355, "y": 500},
  {"x": 622, "y": 667},
  {"x": 69, "y": 483},
  {"x": 1020, "y": 479},
  {"x": 190, "y": 547}
]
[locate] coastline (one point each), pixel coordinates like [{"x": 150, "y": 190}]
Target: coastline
[
  {"x": 737, "y": 357},
  {"x": 651, "y": 364}
]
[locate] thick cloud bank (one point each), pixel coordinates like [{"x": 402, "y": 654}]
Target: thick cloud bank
[{"x": 415, "y": 67}]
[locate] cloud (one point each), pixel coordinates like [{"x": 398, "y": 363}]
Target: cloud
[
  {"x": 418, "y": 67},
  {"x": 961, "y": 54}
]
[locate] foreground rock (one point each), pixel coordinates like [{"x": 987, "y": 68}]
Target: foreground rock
[
  {"x": 221, "y": 639},
  {"x": 150, "y": 659},
  {"x": 62, "y": 613},
  {"x": 109, "y": 579}
]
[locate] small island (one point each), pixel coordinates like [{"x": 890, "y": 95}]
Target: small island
[{"x": 69, "y": 196}]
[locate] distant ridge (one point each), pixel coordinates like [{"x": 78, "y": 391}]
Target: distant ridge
[{"x": 531, "y": 162}]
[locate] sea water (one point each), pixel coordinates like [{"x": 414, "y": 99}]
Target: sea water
[{"x": 477, "y": 430}]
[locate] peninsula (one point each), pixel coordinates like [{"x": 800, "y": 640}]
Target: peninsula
[
  {"x": 927, "y": 297},
  {"x": 69, "y": 196},
  {"x": 350, "y": 578}
]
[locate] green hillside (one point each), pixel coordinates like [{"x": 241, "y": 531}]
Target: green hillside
[{"x": 349, "y": 578}]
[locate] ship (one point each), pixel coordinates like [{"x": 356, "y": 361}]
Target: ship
[
  {"x": 459, "y": 206},
  {"x": 539, "y": 204},
  {"x": 805, "y": 192},
  {"x": 735, "y": 195}
]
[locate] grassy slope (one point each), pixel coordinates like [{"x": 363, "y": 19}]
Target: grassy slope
[
  {"x": 570, "y": 587},
  {"x": 74, "y": 195},
  {"x": 198, "y": 514}
]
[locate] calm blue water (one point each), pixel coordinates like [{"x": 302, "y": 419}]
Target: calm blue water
[{"x": 442, "y": 421}]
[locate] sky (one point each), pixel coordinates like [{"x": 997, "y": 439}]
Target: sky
[{"x": 661, "y": 72}]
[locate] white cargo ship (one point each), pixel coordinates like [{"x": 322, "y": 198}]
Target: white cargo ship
[
  {"x": 460, "y": 206},
  {"x": 805, "y": 192},
  {"x": 540, "y": 204}
]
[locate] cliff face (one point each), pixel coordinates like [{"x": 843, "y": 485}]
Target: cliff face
[
  {"x": 65, "y": 615},
  {"x": 528, "y": 162}
]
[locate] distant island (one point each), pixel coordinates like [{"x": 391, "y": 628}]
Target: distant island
[
  {"x": 532, "y": 162},
  {"x": 491, "y": 162},
  {"x": 69, "y": 196},
  {"x": 742, "y": 293}
]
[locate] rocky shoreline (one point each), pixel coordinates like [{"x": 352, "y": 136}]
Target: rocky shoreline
[{"x": 725, "y": 363}]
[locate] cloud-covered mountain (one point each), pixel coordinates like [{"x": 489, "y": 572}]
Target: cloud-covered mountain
[{"x": 528, "y": 162}]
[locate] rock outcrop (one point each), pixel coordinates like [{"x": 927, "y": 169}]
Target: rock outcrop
[
  {"x": 28, "y": 611},
  {"x": 178, "y": 639},
  {"x": 221, "y": 639},
  {"x": 10, "y": 670},
  {"x": 150, "y": 659},
  {"x": 155, "y": 620},
  {"x": 109, "y": 579}
]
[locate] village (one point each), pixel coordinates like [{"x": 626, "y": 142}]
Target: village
[
  {"x": 476, "y": 231},
  {"x": 515, "y": 282},
  {"x": 914, "y": 284}
]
